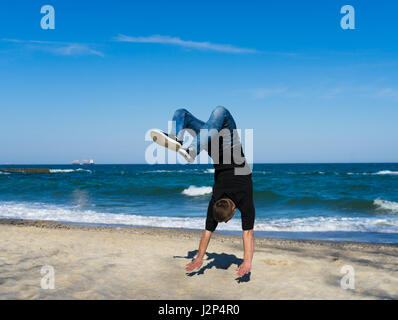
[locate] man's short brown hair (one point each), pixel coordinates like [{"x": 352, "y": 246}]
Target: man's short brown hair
[{"x": 223, "y": 210}]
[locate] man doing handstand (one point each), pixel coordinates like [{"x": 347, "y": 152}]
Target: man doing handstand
[{"x": 233, "y": 186}]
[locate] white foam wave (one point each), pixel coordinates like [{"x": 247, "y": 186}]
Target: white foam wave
[
  {"x": 169, "y": 171},
  {"x": 194, "y": 191},
  {"x": 328, "y": 224},
  {"x": 5, "y": 173},
  {"x": 61, "y": 170},
  {"x": 304, "y": 173},
  {"x": 209, "y": 171},
  {"x": 386, "y": 205},
  {"x": 163, "y": 171},
  {"x": 89, "y": 171},
  {"x": 383, "y": 172},
  {"x": 68, "y": 170},
  {"x": 40, "y": 211}
]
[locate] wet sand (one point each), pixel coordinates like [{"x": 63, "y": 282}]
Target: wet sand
[{"x": 148, "y": 263}]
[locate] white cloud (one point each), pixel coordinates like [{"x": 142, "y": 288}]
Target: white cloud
[
  {"x": 184, "y": 43},
  {"x": 76, "y": 49},
  {"x": 59, "y": 48}
]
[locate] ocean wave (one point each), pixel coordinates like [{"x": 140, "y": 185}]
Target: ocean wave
[
  {"x": 68, "y": 170},
  {"x": 5, "y": 173},
  {"x": 194, "y": 191},
  {"x": 40, "y": 211},
  {"x": 330, "y": 224},
  {"x": 315, "y": 173},
  {"x": 361, "y": 173},
  {"x": 262, "y": 195},
  {"x": 209, "y": 171},
  {"x": 309, "y": 173},
  {"x": 383, "y": 172},
  {"x": 61, "y": 170},
  {"x": 386, "y": 205},
  {"x": 165, "y": 171},
  {"x": 344, "y": 204}
]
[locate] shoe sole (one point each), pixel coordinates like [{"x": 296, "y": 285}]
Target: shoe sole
[{"x": 161, "y": 139}]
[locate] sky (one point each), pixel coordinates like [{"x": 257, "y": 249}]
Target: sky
[{"x": 111, "y": 70}]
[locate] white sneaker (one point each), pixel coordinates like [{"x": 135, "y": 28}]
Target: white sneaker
[{"x": 166, "y": 140}]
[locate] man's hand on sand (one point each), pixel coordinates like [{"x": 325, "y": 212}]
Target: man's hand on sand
[
  {"x": 244, "y": 268},
  {"x": 197, "y": 263}
]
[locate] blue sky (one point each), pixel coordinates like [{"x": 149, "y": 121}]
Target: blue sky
[{"x": 111, "y": 70}]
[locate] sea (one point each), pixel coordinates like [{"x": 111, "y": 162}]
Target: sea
[{"x": 334, "y": 202}]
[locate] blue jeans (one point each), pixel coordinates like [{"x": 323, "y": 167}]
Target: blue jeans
[{"x": 220, "y": 119}]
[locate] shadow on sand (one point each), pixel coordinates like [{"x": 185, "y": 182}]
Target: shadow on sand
[{"x": 219, "y": 261}]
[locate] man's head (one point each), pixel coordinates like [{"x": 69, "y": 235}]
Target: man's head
[{"x": 223, "y": 210}]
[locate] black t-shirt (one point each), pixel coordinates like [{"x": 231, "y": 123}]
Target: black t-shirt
[
  {"x": 226, "y": 156},
  {"x": 238, "y": 188}
]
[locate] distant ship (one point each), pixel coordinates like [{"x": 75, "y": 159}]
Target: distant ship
[{"x": 91, "y": 161}]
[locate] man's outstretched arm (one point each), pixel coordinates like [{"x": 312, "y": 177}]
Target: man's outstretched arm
[
  {"x": 204, "y": 242},
  {"x": 248, "y": 247}
]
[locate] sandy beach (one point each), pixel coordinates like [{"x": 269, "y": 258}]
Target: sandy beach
[{"x": 148, "y": 263}]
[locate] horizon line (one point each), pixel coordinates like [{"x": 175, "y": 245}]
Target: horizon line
[{"x": 136, "y": 163}]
